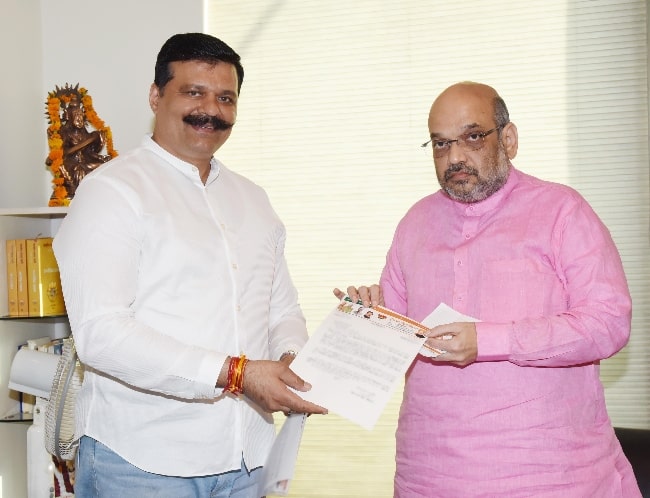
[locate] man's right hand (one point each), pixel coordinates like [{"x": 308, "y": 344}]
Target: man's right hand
[
  {"x": 267, "y": 383},
  {"x": 369, "y": 296}
]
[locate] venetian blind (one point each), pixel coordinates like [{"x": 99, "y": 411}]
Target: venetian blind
[{"x": 333, "y": 108}]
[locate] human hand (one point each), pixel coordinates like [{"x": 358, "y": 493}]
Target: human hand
[
  {"x": 369, "y": 296},
  {"x": 457, "y": 339},
  {"x": 267, "y": 384}
]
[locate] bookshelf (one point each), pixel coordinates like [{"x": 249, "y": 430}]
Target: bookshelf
[
  {"x": 15, "y": 224},
  {"x": 23, "y": 223}
]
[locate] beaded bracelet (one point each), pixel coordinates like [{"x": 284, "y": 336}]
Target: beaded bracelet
[{"x": 235, "y": 380}]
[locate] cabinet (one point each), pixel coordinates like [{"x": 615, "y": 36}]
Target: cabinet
[{"x": 17, "y": 224}]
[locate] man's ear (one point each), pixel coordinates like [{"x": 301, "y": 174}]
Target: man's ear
[
  {"x": 511, "y": 139},
  {"x": 154, "y": 96}
]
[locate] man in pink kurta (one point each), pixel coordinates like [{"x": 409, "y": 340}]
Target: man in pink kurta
[{"x": 515, "y": 408}]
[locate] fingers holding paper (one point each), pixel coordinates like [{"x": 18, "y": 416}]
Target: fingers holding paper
[
  {"x": 267, "y": 383},
  {"x": 457, "y": 339},
  {"x": 369, "y": 295}
]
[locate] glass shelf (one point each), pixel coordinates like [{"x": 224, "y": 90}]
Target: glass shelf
[
  {"x": 37, "y": 318},
  {"x": 38, "y": 212},
  {"x": 18, "y": 417}
]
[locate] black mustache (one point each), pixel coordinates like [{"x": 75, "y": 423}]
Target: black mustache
[{"x": 205, "y": 119}]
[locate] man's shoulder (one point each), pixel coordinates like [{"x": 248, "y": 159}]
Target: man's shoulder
[
  {"x": 429, "y": 202},
  {"x": 532, "y": 186},
  {"x": 123, "y": 162},
  {"x": 233, "y": 179},
  {"x": 425, "y": 209}
]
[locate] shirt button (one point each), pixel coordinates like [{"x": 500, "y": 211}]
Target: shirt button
[
  {"x": 459, "y": 263},
  {"x": 467, "y": 236},
  {"x": 234, "y": 266},
  {"x": 237, "y": 308}
]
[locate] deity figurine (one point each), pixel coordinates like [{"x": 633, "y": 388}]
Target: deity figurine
[
  {"x": 81, "y": 148},
  {"x": 74, "y": 151}
]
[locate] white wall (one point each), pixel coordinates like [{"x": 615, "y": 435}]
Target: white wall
[
  {"x": 22, "y": 124},
  {"x": 110, "y": 49}
]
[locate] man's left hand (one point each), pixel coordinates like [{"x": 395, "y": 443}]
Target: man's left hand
[{"x": 457, "y": 339}]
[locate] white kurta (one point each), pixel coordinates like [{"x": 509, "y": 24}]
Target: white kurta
[{"x": 164, "y": 277}]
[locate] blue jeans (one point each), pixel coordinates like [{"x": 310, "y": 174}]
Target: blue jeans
[{"x": 101, "y": 473}]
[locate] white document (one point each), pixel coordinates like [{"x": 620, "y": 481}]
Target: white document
[
  {"x": 356, "y": 359},
  {"x": 442, "y": 315},
  {"x": 281, "y": 463}
]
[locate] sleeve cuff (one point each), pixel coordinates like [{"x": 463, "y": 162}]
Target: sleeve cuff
[
  {"x": 493, "y": 341},
  {"x": 207, "y": 374}
]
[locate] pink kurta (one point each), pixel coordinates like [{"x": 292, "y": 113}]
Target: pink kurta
[{"x": 535, "y": 264}]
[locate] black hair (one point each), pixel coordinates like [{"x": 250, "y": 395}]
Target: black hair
[{"x": 194, "y": 47}]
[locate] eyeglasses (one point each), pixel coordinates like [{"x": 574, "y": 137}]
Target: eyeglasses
[{"x": 473, "y": 140}]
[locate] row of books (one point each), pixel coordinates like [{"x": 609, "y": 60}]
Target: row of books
[{"x": 33, "y": 283}]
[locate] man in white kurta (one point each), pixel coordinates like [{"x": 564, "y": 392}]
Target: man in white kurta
[{"x": 171, "y": 266}]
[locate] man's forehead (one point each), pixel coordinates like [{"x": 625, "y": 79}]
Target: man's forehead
[
  {"x": 460, "y": 110},
  {"x": 199, "y": 72},
  {"x": 460, "y": 118}
]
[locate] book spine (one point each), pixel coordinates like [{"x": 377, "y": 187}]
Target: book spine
[
  {"x": 21, "y": 277},
  {"x": 12, "y": 283},
  {"x": 33, "y": 294},
  {"x": 49, "y": 282}
]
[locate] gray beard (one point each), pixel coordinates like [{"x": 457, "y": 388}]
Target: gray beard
[{"x": 492, "y": 183}]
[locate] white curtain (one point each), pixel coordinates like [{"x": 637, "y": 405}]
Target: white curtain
[{"x": 334, "y": 106}]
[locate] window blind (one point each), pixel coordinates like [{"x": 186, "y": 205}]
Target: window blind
[{"x": 334, "y": 106}]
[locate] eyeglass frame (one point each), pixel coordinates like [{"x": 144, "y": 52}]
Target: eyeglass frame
[{"x": 460, "y": 140}]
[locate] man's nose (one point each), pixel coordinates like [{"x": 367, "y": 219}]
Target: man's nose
[
  {"x": 212, "y": 105},
  {"x": 456, "y": 153}
]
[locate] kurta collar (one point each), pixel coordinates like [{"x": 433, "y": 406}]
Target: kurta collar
[{"x": 187, "y": 169}]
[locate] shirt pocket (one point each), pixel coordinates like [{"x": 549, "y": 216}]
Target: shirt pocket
[{"x": 513, "y": 289}]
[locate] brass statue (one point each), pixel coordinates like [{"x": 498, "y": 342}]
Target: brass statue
[
  {"x": 81, "y": 148},
  {"x": 74, "y": 151}
]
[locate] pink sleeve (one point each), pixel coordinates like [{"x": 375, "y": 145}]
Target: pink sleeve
[{"x": 596, "y": 322}]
